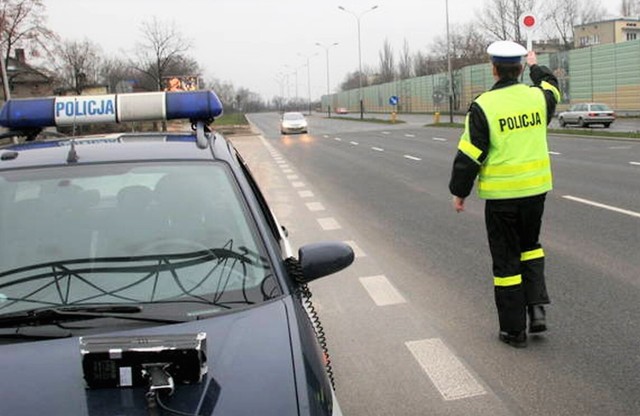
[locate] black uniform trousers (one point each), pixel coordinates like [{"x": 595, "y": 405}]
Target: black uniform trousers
[{"x": 513, "y": 229}]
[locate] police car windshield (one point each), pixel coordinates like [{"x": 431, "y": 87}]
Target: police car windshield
[{"x": 144, "y": 214}]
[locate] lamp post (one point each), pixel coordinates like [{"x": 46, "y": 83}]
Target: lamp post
[
  {"x": 358, "y": 17},
  {"x": 449, "y": 66},
  {"x": 326, "y": 49},
  {"x": 308, "y": 57}
]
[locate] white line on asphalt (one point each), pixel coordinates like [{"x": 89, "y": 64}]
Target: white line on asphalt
[
  {"x": 412, "y": 157},
  {"x": 381, "y": 290},
  {"x": 338, "y": 139},
  {"x": 635, "y": 163},
  {"x": 619, "y": 147},
  {"x": 385, "y": 132},
  {"x": 599, "y": 205},
  {"x": 554, "y": 153},
  {"x": 409, "y": 135},
  {"x": 297, "y": 184},
  {"x": 305, "y": 194},
  {"x": 357, "y": 251},
  {"x": 354, "y": 143},
  {"x": 287, "y": 171},
  {"x": 292, "y": 177},
  {"x": 377, "y": 149},
  {"x": 315, "y": 206},
  {"x": 329, "y": 224},
  {"x": 439, "y": 139},
  {"x": 326, "y": 136},
  {"x": 445, "y": 370}
]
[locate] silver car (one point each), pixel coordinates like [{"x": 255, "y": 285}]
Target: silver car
[
  {"x": 586, "y": 114},
  {"x": 293, "y": 123}
]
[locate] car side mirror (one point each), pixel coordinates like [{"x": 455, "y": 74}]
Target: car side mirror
[{"x": 324, "y": 258}]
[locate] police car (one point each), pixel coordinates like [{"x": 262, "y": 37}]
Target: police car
[{"x": 144, "y": 273}]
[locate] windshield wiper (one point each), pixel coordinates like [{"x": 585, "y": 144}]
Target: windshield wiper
[{"x": 51, "y": 316}]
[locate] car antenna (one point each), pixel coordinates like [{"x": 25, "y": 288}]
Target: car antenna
[{"x": 72, "y": 156}]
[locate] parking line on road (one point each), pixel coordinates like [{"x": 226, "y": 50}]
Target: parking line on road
[
  {"x": 411, "y": 157},
  {"x": 315, "y": 206},
  {"x": 445, "y": 370},
  {"x": 329, "y": 224},
  {"x": 305, "y": 194},
  {"x": 599, "y": 205},
  {"x": 382, "y": 291},
  {"x": 377, "y": 149}
]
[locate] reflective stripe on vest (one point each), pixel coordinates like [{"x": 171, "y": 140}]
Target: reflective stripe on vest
[
  {"x": 517, "y": 164},
  {"x": 507, "y": 281}
]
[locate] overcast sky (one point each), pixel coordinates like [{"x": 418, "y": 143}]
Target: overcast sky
[{"x": 251, "y": 42}]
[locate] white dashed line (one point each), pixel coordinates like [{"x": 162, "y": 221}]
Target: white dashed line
[
  {"x": 354, "y": 143},
  {"x": 409, "y": 135},
  {"x": 555, "y": 153},
  {"x": 315, "y": 206},
  {"x": 305, "y": 194},
  {"x": 445, "y": 370},
  {"x": 439, "y": 139},
  {"x": 357, "y": 251},
  {"x": 292, "y": 177},
  {"x": 381, "y": 290},
  {"x": 635, "y": 163},
  {"x": 287, "y": 171},
  {"x": 329, "y": 224},
  {"x": 411, "y": 157},
  {"x": 326, "y": 136},
  {"x": 338, "y": 139},
  {"x": 599, "y": 205},
  {"x": 297, "y": 184},
  {"x": 377, "y": 149},
  {"x": 385, "y": 132}
]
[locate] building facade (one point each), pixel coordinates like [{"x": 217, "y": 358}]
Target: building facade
[{"x": 606, "y": 31}]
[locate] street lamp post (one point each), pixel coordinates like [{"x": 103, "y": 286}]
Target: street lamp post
[
  {"x": 308, "y": 57},
  {"x": 449, "y": 66},
  {"x": 358, "y": 17},
  {"x": 326, "y": 49}
]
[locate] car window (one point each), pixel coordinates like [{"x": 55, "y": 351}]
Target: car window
[
  {"x": 117, "y": 224},
  {"x": 600, "y": 107},
  {"x": 293, "y": 116}
]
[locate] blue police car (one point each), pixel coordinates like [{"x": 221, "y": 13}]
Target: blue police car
[{"x": 144, "y": 273}]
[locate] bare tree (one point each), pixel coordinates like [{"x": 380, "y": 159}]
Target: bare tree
[
  {"x": 119, "y": 76},
  {"x": 500, "y": 19},
  {"x": 562, "y": 15},
  {"x": 22, "y": 23},
  {"x": 629, "y": 7},
  {"x": 387, "y": 70},
  {"x": 405, "y": 68},
  {"x": 422, "y": 64},
  {"x": 78, "y": 64},
  {"x": 163, "y": 47},
  {"x": 467, "y": 47}
]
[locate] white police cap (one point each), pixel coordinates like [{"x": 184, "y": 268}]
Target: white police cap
[{"x": 506, "y": 51}]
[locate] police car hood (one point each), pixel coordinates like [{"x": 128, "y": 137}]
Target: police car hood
[{"x": 250, "y": 372}]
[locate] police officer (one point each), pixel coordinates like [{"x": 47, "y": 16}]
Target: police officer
[{"x": 504, "y": 144}]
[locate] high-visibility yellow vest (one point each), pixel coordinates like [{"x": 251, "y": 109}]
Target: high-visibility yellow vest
[{"x": 518, "y": 163}]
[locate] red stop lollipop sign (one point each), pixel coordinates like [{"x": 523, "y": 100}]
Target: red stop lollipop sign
[{"x": 528, "y": 21}]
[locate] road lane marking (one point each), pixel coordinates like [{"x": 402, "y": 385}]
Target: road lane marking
[
  {"x": 411, "y": 157},
  {"x": 305, "y": 194},
  {"x": 287, "y": 171},
  {"x": 297, "y": 184},
  {"x": 292, "y": 177},
  {"x": 409, "y": 135},
  {"x": 599, "y": 205},
  {"x": 377, "y": 149},
  {"x": 381, "y": 290},
  {"x": 357, "y": 251},
  {"x": 439, "y": 139},
  {"x": 315, "y": 206},
  {"x": 338, "y": 139},
  {"x": 354, "y": 143},
  {"x": 326, "y": 136},
  {"x": 445, "y": 370},
  {"x": 329, "y": 224},
  {"x": 555, "y": 153},
  {"x": 635, "y": 163},
  {"x": 385, "y": 132}
]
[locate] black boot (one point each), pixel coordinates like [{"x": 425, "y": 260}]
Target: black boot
[
  {"x": 537, "y": 321},
  {"x": 515, "y": 339}
]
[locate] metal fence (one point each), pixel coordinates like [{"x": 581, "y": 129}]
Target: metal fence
[{"x": 605, "y": 73}]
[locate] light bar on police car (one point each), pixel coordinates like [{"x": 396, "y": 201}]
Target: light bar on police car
[{"x": 202, "y": 105}]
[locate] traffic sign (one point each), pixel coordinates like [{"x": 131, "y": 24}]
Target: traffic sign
[
  {"x": 393, "y": 100},
  {"x": 528, "y": 22}
]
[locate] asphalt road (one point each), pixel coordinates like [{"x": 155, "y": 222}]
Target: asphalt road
[{"x": 411, "y": 326}]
